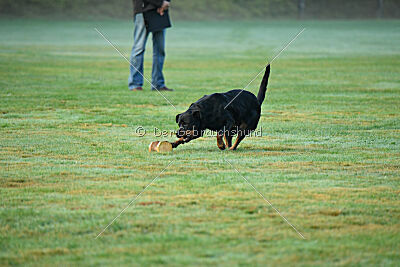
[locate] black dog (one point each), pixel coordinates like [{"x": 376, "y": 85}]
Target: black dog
[{"x": 235, "y": 112}]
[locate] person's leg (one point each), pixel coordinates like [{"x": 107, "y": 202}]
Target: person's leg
[
  {"x": 139, "y": 44},
  {"x": 158, "y": 59}
]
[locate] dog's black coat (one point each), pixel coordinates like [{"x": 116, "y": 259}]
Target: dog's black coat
[{"x": 216, "y": 112}]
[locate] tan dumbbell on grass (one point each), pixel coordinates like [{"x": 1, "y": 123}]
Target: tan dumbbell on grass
[{"x": 160, "y": 146}]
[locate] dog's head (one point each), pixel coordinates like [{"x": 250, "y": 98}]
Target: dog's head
[{"x": 189, "y": 124}]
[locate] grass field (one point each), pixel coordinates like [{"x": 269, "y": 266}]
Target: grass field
[{"x": 328, "y": 158}]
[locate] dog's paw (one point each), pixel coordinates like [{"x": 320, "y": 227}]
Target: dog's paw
[{"x": 221, "y": 147}]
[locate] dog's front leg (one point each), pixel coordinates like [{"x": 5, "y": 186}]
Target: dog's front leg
[
  {"x": 178, "y": 142},
  {"x": 228, "y": 139},
  {"x": 228, "y": 132},
  {"x": 220, "y": 142}
]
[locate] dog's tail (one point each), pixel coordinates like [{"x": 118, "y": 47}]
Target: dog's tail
[{"x": 263, "y": 85}]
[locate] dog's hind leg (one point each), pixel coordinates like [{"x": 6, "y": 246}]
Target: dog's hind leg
[{"x": 239, "y": 139}]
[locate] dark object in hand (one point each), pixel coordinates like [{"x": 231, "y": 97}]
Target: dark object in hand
[{"x": 156, "y": 22}]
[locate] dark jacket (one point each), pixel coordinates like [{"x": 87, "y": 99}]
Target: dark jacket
[{"x": 140, "y": 6}]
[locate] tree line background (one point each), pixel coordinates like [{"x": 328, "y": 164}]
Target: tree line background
[{"x": 207, "y": 9}]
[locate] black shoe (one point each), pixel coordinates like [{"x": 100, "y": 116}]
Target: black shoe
[{"x": 165, "y": 89}]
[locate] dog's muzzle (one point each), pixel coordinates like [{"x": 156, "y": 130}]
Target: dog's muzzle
[
  {"x": 187, "y": 134},
  {"x": 180, "y": 132}
]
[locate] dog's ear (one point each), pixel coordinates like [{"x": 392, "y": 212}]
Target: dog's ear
[
  {"x": 177, "y": 117},
  {"x": 196, "y": 114}
]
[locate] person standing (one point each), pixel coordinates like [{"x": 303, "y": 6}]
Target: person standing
[{"x": 149, "y": 16}]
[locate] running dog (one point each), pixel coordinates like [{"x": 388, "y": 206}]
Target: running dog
[{"x": 235, "y": 112}]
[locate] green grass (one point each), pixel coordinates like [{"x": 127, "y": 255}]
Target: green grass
[{"x": 328, "y": 158}]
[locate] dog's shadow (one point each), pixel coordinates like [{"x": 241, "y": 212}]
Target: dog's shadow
[{"x": 245, "y": 149}]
